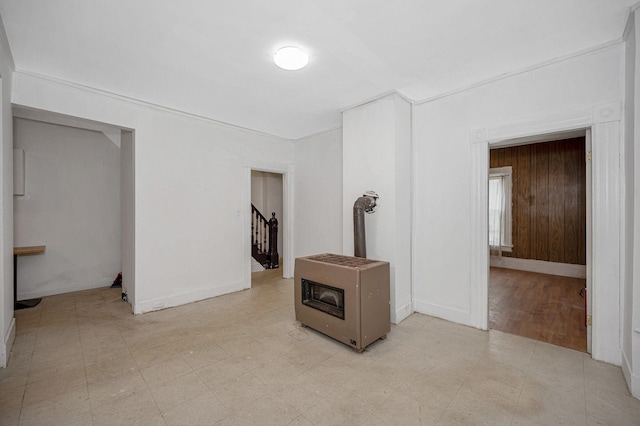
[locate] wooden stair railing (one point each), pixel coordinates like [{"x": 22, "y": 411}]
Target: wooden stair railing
[{"x": 264, "y": 239}]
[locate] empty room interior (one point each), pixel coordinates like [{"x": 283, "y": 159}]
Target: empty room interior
[{"x": 320, "y": 213}]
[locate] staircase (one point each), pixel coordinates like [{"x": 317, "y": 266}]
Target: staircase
[{"x": 264, "y": 239}]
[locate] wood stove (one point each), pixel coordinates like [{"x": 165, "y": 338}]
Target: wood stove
[{"x": 344, "y": 297}]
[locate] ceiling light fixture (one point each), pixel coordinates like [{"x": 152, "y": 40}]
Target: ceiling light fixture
[{"x": 291, "y": 58}]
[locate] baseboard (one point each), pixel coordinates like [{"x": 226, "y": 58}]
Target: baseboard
[
  {"x": 457, "y": 315},
  {"x": 7, "y": 344},
  {"x": 159, "y": 303},
  {"x": 540, "y": 266},
  {"x": 632, "y": 379},
  {"x": 402, "y": 313},
  {"x": 52, "y": 291}
]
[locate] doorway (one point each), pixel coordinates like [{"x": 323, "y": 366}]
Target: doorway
[
  {"x": 267, "y": 205},
  {"x": 538, "y": 274},
  {"x": 77, "y": 200},
  {"x": 603, "y": 130},
  {"x": 285, "y": 173}
]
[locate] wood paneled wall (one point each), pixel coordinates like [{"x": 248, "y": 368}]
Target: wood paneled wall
[{"x": 549, "y": 199}]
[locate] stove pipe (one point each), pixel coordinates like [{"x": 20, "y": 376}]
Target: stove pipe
[{"x": 364, "y": 204}]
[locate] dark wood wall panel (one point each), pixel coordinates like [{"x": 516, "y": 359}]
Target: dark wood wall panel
[
  {"x": 572, "y": 222},
  {"x": 548, "y": 199},
  {"x": 556, "y": 203},
  {"x": 522, "y": 199},
  {"x": 542, "y": 202},
  {"x": 582, "y": 203}
]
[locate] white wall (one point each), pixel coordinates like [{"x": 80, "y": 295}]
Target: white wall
[
  {"x": 451, "y": 136},
  {"x": 631, "y": 248},
  {"x": 376, "y": 151},
  {"x": 266, "y": 195},
  {"x": 7, "y": 323},
  {"x": 191, "y": 181},
  {"x": 71, "y": 205},
  {"x": 318, "y": 194}
]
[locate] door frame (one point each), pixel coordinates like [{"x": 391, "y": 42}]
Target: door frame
[
  {"x": 127, "y": 145},
  {"x": 589, "y": 236},
  {"x": 604, "y": 122},
  {"x": 286, "y": 222}
]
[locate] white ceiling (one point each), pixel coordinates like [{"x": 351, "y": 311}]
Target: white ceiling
[{"x": 214, "y": 58}]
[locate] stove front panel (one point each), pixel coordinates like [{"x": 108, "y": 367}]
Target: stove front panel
[{"x": 344, "y": 329}]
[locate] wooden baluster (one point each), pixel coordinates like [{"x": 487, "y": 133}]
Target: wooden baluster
[
  {"x": 264, "y": 234},
  {"x": 260, "y": 233},
  {"x": 257, "y": 241}
]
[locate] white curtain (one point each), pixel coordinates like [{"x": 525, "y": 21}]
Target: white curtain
[{"x": 496, "y": 213}]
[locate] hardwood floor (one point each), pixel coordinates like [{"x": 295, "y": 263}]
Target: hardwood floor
[{"x": 544, "y": 307}]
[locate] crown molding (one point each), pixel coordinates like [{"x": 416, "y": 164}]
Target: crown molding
[
  {"x": 587, "y": 51},
  {"x": 377, "y": 98},
  {"x": 146, "y": 104}
]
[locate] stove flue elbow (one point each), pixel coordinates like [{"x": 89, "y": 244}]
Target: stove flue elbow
[{"x": 365, "y": 204}]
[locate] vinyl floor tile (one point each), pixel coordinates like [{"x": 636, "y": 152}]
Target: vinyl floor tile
[{"x": 242, "y": 359}]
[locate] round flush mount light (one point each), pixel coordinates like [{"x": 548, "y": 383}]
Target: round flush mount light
[{"x": 291, "y": 58}]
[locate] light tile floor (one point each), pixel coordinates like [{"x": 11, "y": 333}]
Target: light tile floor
[{"x": 83, "y": 358}]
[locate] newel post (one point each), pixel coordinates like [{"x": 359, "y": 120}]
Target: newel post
[{"x": 274, "y": 257}]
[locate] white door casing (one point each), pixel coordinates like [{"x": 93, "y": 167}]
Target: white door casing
[
  {"x": 604, "y": 123},
  {"x": 286, "y": 224}
]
